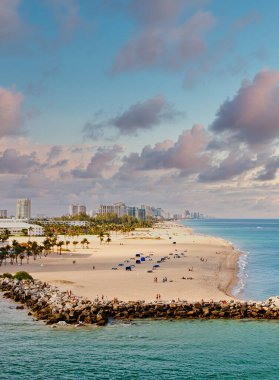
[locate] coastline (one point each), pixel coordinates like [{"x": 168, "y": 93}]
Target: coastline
[{"x": 197, "y": 267}]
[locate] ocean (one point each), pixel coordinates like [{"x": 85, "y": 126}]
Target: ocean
[
  {"x": 214, "y": 349},
  {"x": 258, "y": 240}
]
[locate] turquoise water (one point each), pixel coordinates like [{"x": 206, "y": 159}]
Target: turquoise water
[
  {"x": 217, "y": 349},
  {"x": 145, "y": 350},
  {"x": 258, "y": 239}
]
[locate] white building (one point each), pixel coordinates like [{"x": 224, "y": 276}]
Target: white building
[
  {"x": 3, "y": 214},
  {"x": 119, "y": 209},
  {"x": 73, "y": 223},
  {"x": 77, "y": 210},
  {"x": 15, "y": 227},
  {"x": 23, "y": 209}
]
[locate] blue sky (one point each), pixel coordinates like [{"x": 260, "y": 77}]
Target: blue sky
[{"x": 166, "y": 102}]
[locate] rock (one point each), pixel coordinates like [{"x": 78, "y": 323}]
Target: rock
[{"x": 62, "y": 323}]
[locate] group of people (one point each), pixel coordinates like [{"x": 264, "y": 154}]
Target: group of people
[
  {"x": 158, "y": 297},
  {"x": 164, "y": 279}
]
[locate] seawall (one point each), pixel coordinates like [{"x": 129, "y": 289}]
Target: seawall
[{"x": 49, "y": 304}]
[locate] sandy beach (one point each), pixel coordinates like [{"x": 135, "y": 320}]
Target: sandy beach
[{"x": 196, "y": 267}]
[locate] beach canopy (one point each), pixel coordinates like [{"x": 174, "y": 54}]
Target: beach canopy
[
  {"x": 128, "y": 268},
  {"x": 137, "y": 254},
  {"x": 142, "y": 259},
  {"x": 156, "y": 266},
  {"x": 138, "y": 261}
]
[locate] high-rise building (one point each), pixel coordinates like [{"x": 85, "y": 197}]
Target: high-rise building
[
  {"x": 133, "y": 211},
  {"x": 77, "y": 210},
  {"x": 23, "y": 209},
  {"x": 3, "y": 214},
  {"x": 119, "y": 209}
]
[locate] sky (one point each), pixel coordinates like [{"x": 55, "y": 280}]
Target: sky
[{"x": 168, "y": 103}]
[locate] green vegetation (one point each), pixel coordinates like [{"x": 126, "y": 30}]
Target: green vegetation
[
  {"x": 7, "y": 275},
  {"x": 23, "y": 276},
  {"x": 18, "y": 276},
  {"x": 104, "y": 224}
]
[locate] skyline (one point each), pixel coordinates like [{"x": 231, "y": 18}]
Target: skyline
[{"x": 165, "y": 102}]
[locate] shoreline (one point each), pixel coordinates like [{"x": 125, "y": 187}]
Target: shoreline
[
  {"x": 231, "y": 288},
  {"x": 197, "y": 267}
]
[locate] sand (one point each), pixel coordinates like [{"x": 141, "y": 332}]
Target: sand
[{"x": 197, "y": 267}]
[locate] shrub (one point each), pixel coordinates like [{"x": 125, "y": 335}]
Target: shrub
[
  {"x": 7, "y": 275},
  {"x": 23, "y": 276}
]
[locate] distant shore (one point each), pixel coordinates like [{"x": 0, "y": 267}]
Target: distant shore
[{"x": 189, "y": 266}]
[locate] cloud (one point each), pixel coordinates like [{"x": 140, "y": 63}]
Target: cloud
[
  {"x": 250, "y": 18},
  {"x": 54, "y": 152},
  {"x": 144, "y": 115},
  {"x": 138, "y": 117},
  {"x": 10, "y": 112},
  {"x": 59, "y": 164},
  {"x": 93, "y": 131},
  {"x": 270, "y": 170},
  {"x": 9, "y": 20},
  {"x": 186, "y": 154},
  {"x": 13, "y": 163},
  {"x": 67, "y": 15},
  {"x": 252, "y": 115},
  {"x": 102, "y": 161},
  {"x": 166, "y": 35},
  {"x": 230, "y": 167}
]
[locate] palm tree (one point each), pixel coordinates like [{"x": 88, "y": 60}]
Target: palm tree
[
  {"x": 67, "y": 242},
  {"x": 30, "y": 229},
  {"x": 4, "y": 236},
  {"x": 83, "y": 242},
  {"x": 47, "y": 246},
  {"x": 34, "y": 249},
  {"x": 101, "y": 236},
  {"x": 75, "y": 244},
  {"x": 59, "y": 244},
  {"x": 3, "y": 255},
  {"x": 108, "y": 239}
]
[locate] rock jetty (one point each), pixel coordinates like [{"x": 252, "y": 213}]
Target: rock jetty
[{"x": 53, "y": 306}]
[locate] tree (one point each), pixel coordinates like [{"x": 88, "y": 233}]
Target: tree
[
  {"x": 47, "y": 246},
  {"x": 83, "y": 241},
  {"x": 4, "y": 235},
  {"x": 75, "y": 244},
  {"x": 30, "y": 230},
  {"x": 24, "y": 231},
  {"x": 3, "y": 255},
  {"x": 59, "y": 244}
]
